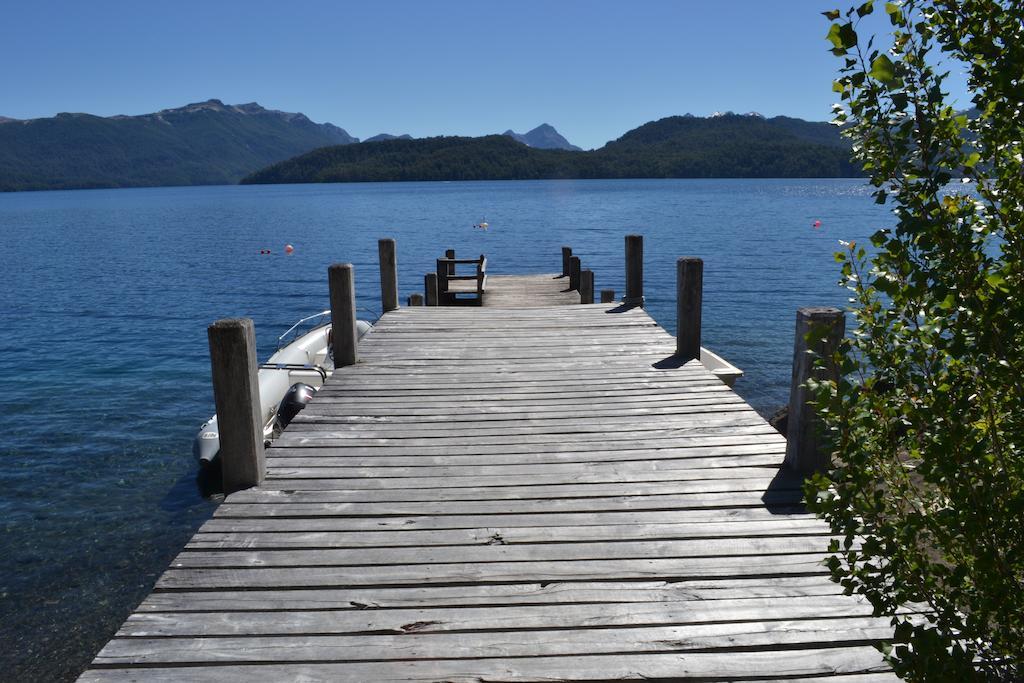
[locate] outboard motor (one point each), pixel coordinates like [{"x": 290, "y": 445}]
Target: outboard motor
[{"x": 295, "y": 399}]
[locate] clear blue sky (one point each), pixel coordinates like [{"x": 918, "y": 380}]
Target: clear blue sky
[{"x": 592, "y": 69}]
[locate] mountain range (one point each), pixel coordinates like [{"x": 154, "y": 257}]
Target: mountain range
[
  {"x": 543, "y": 136},
  {"x": 215, "y": 143},
  {"x": 205, "y": 143},
  {"x": 721, "y": 146}
]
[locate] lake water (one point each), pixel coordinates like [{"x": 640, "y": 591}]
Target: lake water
[{"x": 106, "y": 294}]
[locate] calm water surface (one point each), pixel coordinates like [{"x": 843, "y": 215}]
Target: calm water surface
[{"x": 106, "y": 294}]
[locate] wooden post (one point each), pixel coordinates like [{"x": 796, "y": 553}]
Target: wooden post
[
  {"x": 689, "y": 292},
  {"x": 341, "y": 282},
  {"x": 634, "y": 271},
  {"x": 388, "y": 274},
  {"x": 587, "y": 286},
  {"x": 236, "y": 393},
  {"x": 818, "y": 333},
  {"x": 450, "y": 253},
  {"x": 415, "y": 299},
  {"x": 574, "y": 273},
  {"x": 430, "y": 285},
  {"x": 607, "y": 296},
  {"x": 566, "y": 255}
]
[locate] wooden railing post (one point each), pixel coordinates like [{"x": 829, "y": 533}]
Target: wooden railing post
[
  {"x": 430, "y": 287},
  {"x": 341, "y": 282},
  {"x": 415, "y": 299},
  {"x": 607, "y": 296},
  {"x": 566, "y": 255},
  {"x": 444, "y": 269},
  {"x": 450, "y": 253},
  {"x": 587, "y": 286},
  {"x": 818, "y": 334},
  {"x": 574, "y": 273},
  {"x": 236, "y": 393},
  {"x": 388, "y": 274},
  {"x": 634, "y": 271},
  {"x": 689, "y": 292}
]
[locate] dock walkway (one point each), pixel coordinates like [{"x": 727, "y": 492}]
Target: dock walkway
[{"x": 498, "y": 494}]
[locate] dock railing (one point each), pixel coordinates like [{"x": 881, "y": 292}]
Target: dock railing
[{"x": 446, "y": 275}]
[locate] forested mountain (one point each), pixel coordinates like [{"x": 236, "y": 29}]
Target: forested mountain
[
  {"x": 724, "y": 146},
  {"x": 543, "y": 136},
  {"x": 200, "y": 144}
]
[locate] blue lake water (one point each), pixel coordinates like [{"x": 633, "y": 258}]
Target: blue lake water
[{"x": 106, "y": 294}]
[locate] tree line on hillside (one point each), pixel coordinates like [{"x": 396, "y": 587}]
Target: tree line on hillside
[{"x": 676, "y": 147}]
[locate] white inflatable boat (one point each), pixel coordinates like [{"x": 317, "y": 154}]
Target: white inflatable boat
[{"x": 288, "y": 380}]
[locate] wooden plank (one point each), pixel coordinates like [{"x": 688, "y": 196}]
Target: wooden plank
[
  {"x": 733, "y": 665},
  {"x": 654, "y": 461},
  {"x": 487, "y": 551},
  {"x": 548, "y": 593},
  {"x": 523, "y": 643},
  {"x": 318, "y": 491},
  {"x": 495, "y": 572},
  {"x": 513, "y": 617},
  {"x": 495, "y": 522},
  {"x": 281, "y": 507},
  {"x": 538, "y": 449},
  {"x": 507, "y": 536},
  {"x": 470, "y": 476}
]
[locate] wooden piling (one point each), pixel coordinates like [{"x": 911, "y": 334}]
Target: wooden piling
[
  {"x": 388, "y": 274},
  {"x": 341, "y": 282},
  {"x": 574, "y": 273},
  {"x": 689, "y": 293},
  {"x": 587, "y": 286},
  {"x": 607, "y": 296},
  {"x": 566, "y": 255},
  {"x": 450, "y": 254},
  {"x": 634, "y": 270},
  {"x": 430, "y": 287},
  {"x": 818, "y": 334},
  {"x": 236, "y": 393},
  {"x": 415, "y": 299}
]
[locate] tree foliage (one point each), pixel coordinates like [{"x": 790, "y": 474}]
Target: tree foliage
[
  {"x": 927, "y": 424},
  {"x": 729, "y": 146}
]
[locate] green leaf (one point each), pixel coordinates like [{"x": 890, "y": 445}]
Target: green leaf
[
  {"x": 997, "y": 281},
  {"x": 832, "y": 14},
  {"x": 866, "y": 9},
  {"x": 842, "y": 36},
  {"x": 883, "y": 70},
  {"x": 972, "y": 160}
]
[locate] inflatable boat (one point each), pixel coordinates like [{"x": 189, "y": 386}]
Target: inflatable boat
[{"x": 288, "y": 380}]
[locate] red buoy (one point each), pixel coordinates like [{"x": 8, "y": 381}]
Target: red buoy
[{"x": 288, "y": 248}]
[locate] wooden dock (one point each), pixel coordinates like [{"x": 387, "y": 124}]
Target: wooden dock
[{"x": 509, "y": 494}]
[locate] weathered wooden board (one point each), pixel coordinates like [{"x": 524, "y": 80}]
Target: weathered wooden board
[
  {"x": 549, "y": 593},
  {"x": 520, "y": 643},
  {"x": 728, "y": 665},
  {"x": 521, "y": 491}
]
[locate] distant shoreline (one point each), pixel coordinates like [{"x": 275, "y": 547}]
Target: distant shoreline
[{"x": 373, "y": 182}]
